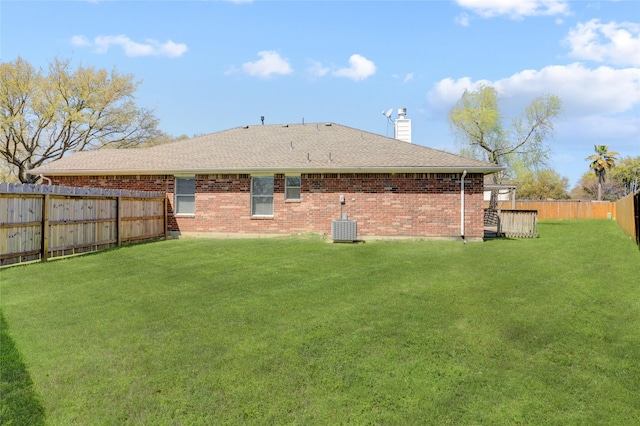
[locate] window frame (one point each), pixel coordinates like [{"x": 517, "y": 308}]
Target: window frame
[
  {"x": 177, "y": 195},
  {"x": 287, "y": 187},
  {"x": 254, "y": 196}
]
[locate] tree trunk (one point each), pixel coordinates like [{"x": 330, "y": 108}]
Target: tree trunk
[
  {"x": 26, "y": 177},
  {"x": 599, "y": 191},
  {"x": 493, "y": 201},
  {"x": 600, "y": 182}
]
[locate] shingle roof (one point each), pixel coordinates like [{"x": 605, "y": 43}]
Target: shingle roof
[{"x": 309, "y": 148}]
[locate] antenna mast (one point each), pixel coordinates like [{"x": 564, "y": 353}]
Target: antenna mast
[{"x": 387, "y": 114}]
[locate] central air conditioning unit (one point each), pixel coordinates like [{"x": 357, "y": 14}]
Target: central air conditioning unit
[{"x": 343, "y": 230}]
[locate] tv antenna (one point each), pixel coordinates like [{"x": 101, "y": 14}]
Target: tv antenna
[{"x": 387, "y": 114}]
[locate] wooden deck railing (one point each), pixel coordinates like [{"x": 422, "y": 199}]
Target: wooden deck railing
[
  {"x": 511, "y": 223},
  {"x": 519, "y": 223}
]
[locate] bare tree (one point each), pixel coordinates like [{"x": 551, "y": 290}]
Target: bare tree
[{"x": 45, "y": 115}]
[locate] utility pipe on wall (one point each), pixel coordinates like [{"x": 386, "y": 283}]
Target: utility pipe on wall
[
  {"x": 464, "y": 173},
  {"x": 46, "y": 178}
]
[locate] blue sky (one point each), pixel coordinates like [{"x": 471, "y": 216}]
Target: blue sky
[{"x": 207, "y": 66}]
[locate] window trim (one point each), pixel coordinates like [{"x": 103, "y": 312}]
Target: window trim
[
  {"x": 260, "y": 176},
  {"x": 286, "y": 187},
  {"x": 176, "y": 194}
]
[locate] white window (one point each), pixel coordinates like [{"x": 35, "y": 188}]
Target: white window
[
  {"x": 292, "y": 188},
  {"x": 262, "y": 196},
  {"x": 185, "y": 196}
]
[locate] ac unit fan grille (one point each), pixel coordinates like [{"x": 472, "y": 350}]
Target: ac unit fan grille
[{"x": 343, "y": 230}]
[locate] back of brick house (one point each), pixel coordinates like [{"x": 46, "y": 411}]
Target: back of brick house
[{"x": 412, "y": 200}]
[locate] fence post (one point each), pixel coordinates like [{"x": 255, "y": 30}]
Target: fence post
[
  {"x": 118, "y": 221},
  {"x": 44, "y": 239},
  {"x": 166, "y": 218}
]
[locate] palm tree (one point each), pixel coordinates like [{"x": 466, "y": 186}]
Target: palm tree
[{"x": 601, "y": 161}]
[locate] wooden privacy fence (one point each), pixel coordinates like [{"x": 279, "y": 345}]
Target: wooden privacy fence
[
  {"x": 628, "y": 215},
  {"x": 564, "y": 209},
  {"x": 38, "y": 222}
]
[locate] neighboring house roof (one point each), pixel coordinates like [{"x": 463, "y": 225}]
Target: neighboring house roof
[{"x": 293, "y": 148}]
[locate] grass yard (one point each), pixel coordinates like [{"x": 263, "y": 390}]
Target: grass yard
[{"x": 298, "y": 331}]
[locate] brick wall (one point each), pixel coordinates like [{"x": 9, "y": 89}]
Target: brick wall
[{"x": 412, "y": 204}]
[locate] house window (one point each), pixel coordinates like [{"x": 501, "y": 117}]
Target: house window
[
  {"x": 292, "y": 188},
  {"x": 185, "y": 196},
  {"x": 262, "y": 196}
]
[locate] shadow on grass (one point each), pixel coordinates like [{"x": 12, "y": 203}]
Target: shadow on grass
[{"x": 19, "y": 404}]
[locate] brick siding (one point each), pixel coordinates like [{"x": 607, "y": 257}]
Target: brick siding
[{"x": 384, "y": 205}]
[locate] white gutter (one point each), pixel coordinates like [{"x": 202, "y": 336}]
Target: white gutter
[
  {"x": 464, "y": 173},
  {"x": 43, "y": 177}
]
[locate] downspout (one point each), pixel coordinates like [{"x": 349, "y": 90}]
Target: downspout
[
  {"x": 464, "y": 173},
  {"x": 43, "y": 177}
]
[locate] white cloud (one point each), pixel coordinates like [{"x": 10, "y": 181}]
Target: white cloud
[
  {"x": 583, "y": 91},
  {"x": 80, "y": 41},
  {"x": 101, "y": 44},
  {"x": 360, "y": 68},
  {"x": 270, "y": 63},
  {"x": 514, "y": 9},
  {"x": 603, "y": 128},
  {"x": 617, "y": 43},
  {"x": 405, "y": 78},
  {"x": 446, "y": 92},
  {"x": 316, "y": 69},
  {"x": 463, "y": 20},
  {"x": 173, "y": 50}
]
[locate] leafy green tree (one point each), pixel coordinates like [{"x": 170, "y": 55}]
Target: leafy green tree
[
  {"x": 600, "y": 163},
  {"x": 627, "y": 173},
  {"x": 45, "y": 114},
  {"x": 588, "y": 186},
  {"x": 545, "y": 184},
  {"x": 476, "y": 122}
]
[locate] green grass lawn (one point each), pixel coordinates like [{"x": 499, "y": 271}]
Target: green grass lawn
[{"x": 299, "y": 331}]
